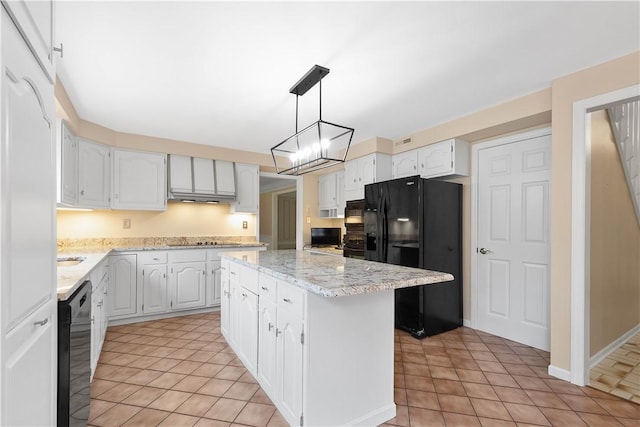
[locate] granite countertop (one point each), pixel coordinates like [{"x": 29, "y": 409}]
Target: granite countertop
[
  {"x": 332, "y": 276},
  {"x": 70, "y": 278},
  {"x": 331, "y": 250}
]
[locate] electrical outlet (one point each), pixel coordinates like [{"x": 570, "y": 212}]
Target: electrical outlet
[
  {"x": 308, "y": 220},
  {"x": 126, "y": 223},
  {"x": 245, "y": 224}
]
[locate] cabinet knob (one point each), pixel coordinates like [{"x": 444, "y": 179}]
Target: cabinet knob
[
  {"x": 82, "y": 192},
  {"x": 278, "y": 332},
  {"x": 264, "y": 288},
  {"x": 59, "y": 49},
  {"x": 270, "y": 326},
  {"x": 286, "y": 300}
]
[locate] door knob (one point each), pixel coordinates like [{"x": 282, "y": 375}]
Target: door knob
[{"x": 484, "y": 251}]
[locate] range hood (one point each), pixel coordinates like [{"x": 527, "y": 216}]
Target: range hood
[{"x": 196, "y": 179}]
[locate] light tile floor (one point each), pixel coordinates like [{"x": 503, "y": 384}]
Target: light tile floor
[
  {"x": 180, "y": 372},
  {"x": 619, "y": 373}
]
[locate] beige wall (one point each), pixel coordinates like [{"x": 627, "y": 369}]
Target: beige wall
[
  {"x": 617, "y": 74},
  {"x": 266, "y": 207},
  {"x": 615, "y": 242},
  {"x": 180, "y": 219}
]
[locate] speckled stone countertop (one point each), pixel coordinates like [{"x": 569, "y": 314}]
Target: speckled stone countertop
[
  {"x": 332, "y": 276},
  {"x": 330, "y": 250},
  {"x": 71, "y": 277}
]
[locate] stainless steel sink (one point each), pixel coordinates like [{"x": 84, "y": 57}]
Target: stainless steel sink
[{"x": 70, "y": 261}]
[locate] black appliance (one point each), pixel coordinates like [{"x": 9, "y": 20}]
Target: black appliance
[
  {"x": 417, "y": 222},
  {"x": 74, "y": 357},
  {"x": 353, "y": 245},
  {"x": 326, "y": 236}
]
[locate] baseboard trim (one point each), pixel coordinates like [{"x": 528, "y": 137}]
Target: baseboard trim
[
  {"x": 613, "y": 346},
  {"x": 467, "y": 323},
  {"x": 560, "y": 373},
  {"x": 160, "y": 316},
  {"x": 376, "y": 417}
]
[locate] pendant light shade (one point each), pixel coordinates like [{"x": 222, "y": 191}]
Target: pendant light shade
[{"x": 317, "y": 146}]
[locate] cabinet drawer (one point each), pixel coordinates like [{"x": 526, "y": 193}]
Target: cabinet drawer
[
  {"x": 291, "y": 299},
  {"x": 188, "y": 255},
  {"x": 213, "y": 255},
  {"x": 268, "y": 287},
  {"x": 249, "y": 278},
  {"x": 153, "y": 257}
]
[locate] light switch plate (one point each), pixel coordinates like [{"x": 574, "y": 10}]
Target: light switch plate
[{"x": 126, "y": 223}]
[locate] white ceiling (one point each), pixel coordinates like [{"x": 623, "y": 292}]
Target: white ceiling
[{"x": 219, "y": 73}]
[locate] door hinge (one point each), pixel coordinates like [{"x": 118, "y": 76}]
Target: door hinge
[
  {"x": 301, "y": 420},
  {"x": 301, "y": 337},
  {"x": 142, "y": 307},
  {"x": 143, "y": 272}
]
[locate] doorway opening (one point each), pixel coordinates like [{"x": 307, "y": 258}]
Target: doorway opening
[{"x": 280, "y": 226}]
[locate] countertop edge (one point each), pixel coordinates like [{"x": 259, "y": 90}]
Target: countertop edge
[{"x": 346, "y": 291}]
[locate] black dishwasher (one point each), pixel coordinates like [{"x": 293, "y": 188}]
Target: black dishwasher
[{"x": 74, "y": 357}]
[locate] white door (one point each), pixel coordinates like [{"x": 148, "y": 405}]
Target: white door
[
  {"x": 267, "y": 346},
  {"x": 94, "y": 174},
  {"x": 289, "y": 359},
  {"x": 513, "y": 240},
  {"x": 123, "y": 285},
  {"x": 154, "y": 289},
  {"x": 188, "y": 284}
]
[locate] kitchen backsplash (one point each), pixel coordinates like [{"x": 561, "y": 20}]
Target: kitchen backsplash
[{"x": 106, "y": 243}]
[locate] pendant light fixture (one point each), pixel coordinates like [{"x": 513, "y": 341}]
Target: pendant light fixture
[{"x": 317, "y": 146}]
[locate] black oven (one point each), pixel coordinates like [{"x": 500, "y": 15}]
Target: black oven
[{"x": 354, "y": 241}]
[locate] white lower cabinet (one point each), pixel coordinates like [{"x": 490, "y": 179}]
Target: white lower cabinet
[
  {"x": 247, "y": 339},
  {"x": 289, "y": 369},
  {"x": 100, "y": 282},
  {"x": 213, "y": 293},
  {"x": 123, "y": 289},
  {"x": 267, "y": 351},
  {"x": 187, "y": 285},
  {"x": 154, "y": 288}
]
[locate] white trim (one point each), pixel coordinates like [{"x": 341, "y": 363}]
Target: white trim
[
  {"x": 467, "y": 323},
  {"x": 475, "y": 151},
  {"x": 299, "y": 195},
  {"x": 613, "y": 346},
  {"x": 580, "y": 163},
  {"x": 560, "y": 373}
]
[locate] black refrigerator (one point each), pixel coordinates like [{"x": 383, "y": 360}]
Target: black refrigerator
[{"x": 417, "y": 222}]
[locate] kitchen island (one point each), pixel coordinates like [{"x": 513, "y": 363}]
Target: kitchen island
[{"x": 317, "y": 331}]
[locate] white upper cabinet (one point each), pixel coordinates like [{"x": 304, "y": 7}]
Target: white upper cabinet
[
  {"x": 94, "y": 174},
  {"x": 139, "y": 180},
  {"x": 67, "y": 164},
  {"x": 225, "y": 178},
  {"x": 331, "y": 201},
  {"x": 35, "y": 19},
  {"x": 204, "y": 180},
  {"x": 404, "y": 164},
  {"x": 446, "y": 158},
  {"x": 180, "y": 179},
  {"x": 365, "y": 170},
  {"x": 248, "y": 189}
]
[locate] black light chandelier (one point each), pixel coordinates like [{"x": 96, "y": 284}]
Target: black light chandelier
[{"x": 319, "y": 145}]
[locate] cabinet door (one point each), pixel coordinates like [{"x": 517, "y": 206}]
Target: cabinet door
[
  {"x": 29, "y": 373},
  {"x": 289, "y": 364},
  {"x": 139, "y": 180},
  {"x": 405, "y": 164},
  {"x": 94, "y": 174},
  {"x": 367, "y": 170},
  {"x": 351, "y": 175},
  {"x": 69, "y": 167},
  {"x": 248, "y": 189},
  {"x": 232, "y": 334},
  {"x": 267, "y": 350},
  {"x": 35, "y": 19},
  {"x": 123, "y": 282},
  {"x": 214, "y": 291},
  {"x": 327, "y": 191},
  {"x": 28, "y": 341},
  {"x": 154, "y": 288},
  {"x": 225, "y": 178},
  {"x": 248, "y": 329},
  {"x": 180, "y": 174},
  {"x": 340, "y": 200},
  {"x": 224, "y": 301},
  {"x": 97, "y": 323},
  {"x": 188, "y": 284},
  {"x": 436, "y": 159},
  {"x": 204, "y": 181}
]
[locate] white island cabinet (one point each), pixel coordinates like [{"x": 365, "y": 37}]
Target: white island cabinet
[{"x": 322, "y": 331}]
